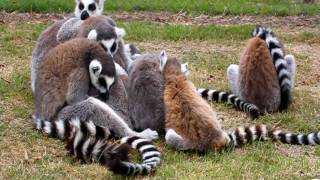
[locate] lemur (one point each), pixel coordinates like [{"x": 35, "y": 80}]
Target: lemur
[
  {"x": 145, "y": 92},
  {"x": 65, "y": 77},
  {"x": 191, "y": 124},
  {"x": 265, "y": 76},
  {"x": 67, "y": 73},
  {"x": 187, "y": 114},
  {"x": 104, "y": 30},
  {"x": 87, "y": 8},
  {"x": 87, "y": 137},
  {"x": 51, "y": 37}
]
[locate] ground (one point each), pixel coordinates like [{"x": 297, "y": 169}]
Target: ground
[{"x": 209, "y": 44}]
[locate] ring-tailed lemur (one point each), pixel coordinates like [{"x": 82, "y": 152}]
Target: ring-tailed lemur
[
  {"x": 285, "y": 65},
  {"x": 65, "y": 77},
  {"x": 191, "y": 124},
  {"x": 87, "y": 8},
  {"x": 264, "y": 77},
  {"x": 145, "y": 93},
  {"x": 221, "y": 96},
  {"x": 187, "y": 113},
  {"x": 61, "y": 31},
  {"x": 89, "y": 142},
  {"x": 68, "y": 72},
  {"x": 99, "y": 28},
  {"x": 104, "y": 30}
]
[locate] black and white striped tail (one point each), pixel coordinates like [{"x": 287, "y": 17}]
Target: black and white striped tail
[
  {"x": 220, "y": 96},
  {"x": 246, "y": 134},
  {"x": 89, "y": 143},
  {"x": 279, "y": 62}
]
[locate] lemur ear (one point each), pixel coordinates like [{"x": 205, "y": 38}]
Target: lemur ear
[
  {"x": 163, "y": 59},
  {"x": 120, "y": 32},
  {"x": 93, "y": 35},
  {"x": 185, "y": 69}
]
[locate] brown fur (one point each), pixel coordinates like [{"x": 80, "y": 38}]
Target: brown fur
[
  {"x": 63, "y": 76},
  {"x": 187, "y": 113},
  {"x": 258, "y": 82}
]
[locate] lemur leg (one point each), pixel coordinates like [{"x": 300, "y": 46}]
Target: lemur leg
[
  {"x": 233, "y": 74},
  {"x": 118, "y": 125},
  {"x": 78, "y": 86},
  {"x": 175, "y": 140},
  {"x": 291, "y": 66}
]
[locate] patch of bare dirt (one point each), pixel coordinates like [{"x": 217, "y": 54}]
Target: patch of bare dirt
[
  {"x": 180, "y": 18},
  {"x": 183, "y": 18}
]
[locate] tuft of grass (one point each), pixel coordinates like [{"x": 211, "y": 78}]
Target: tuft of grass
[{"x": 210, "y": 7}]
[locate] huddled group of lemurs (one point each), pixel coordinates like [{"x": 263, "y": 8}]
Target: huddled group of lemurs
[{"x": 90, "y": 86}]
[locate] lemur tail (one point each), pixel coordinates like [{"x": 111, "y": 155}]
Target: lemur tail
[
  {"x": 88, "y": 142},
  {"x": 246, "y": 134},
  {"x": 279, "y": 62},
  {"x": 220, "y": 96}
]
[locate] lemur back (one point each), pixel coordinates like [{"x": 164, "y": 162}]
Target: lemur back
[
  {"x": 62, "y": 31},
  {"x": 188, "y": 115},
  {"x": 64, "y": 78},
  {"x": 145, "y": 92},
  {"x": 258, "y": 83},
  {"x": 264, "y": 77}
]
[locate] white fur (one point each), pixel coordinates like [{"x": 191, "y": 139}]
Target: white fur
[
  {"x": 120, "y": 32},
  {"x": 86, "y": 3},
  {"x": 136, "y": 142},
  {"x": 77, "y": 140},
  {"x": 91, "y": 127},
  {"x": 210, "y": 94},
  {"x": 185, "y": 69},
  {"x": 93, "y": 35},
  {"x": 310, "y": 139},
  {"x": 108, "y": 44},
  {"x": 163, "y": 59},
  {"x": 119, "y": 70},
  {"x": 109, "y": 80},
  {"x": 60, "y": 128},
  {"x": 150, "y": 153},
  {"x": 146, "y": 147}
]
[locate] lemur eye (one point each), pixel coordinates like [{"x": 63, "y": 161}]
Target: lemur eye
[
  {"x": 113, "y": 47},
  {"x": 81, "y": 6},
  {"x": 92, "y": 7}
]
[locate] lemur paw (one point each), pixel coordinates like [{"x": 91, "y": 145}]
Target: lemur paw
[{"x": 149, "y": 134}]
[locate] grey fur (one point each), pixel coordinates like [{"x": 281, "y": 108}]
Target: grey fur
[
  {"x": 145, "y": 92},
  {"x": 91, "y": 109}
]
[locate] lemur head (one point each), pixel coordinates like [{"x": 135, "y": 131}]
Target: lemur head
[
  {"x": 107, "y": 36},
  {"x": 172, "y": 66},
  {"x": 102, "y": 74},
  {"x": 87, "y": 8}
]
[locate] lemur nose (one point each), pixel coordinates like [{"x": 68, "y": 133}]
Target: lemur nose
[{"x": 84, "y": 15}]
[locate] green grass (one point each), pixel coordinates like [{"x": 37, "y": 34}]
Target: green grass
[
  {"x": 28, "y": 154},
  {"x": 211, "y": 7}
]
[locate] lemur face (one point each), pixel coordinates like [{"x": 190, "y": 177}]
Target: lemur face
[
  {"x": 108, "y": 39},
  {"x": 87, "y": 8},
  {"x": 99, "y": 78}
]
